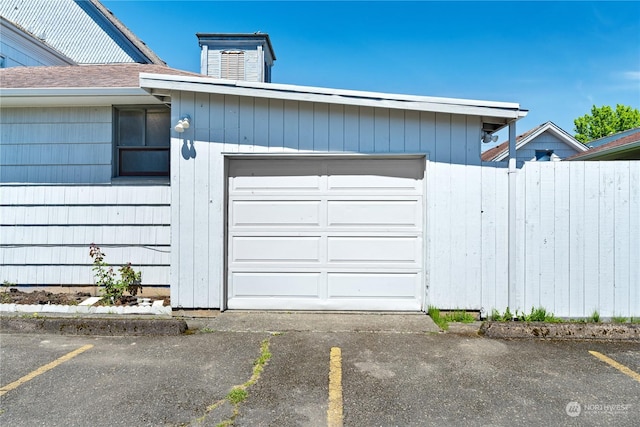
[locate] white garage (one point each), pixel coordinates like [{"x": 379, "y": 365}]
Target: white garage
[
  {"x": 325, "y": 233},
  {"x": 304, "y": 198}
]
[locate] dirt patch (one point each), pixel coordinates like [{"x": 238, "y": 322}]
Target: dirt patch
[{"x": 15, "y": 296}]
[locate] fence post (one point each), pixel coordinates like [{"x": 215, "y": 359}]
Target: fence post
[{"x": 511, "y": 228}]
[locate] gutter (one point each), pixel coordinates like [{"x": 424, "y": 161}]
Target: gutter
[{"x": 15, "y": 97}]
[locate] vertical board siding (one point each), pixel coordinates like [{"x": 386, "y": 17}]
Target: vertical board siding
[
  {"x": 568, "y": 213},
  {"x": 56, "y": 145},
  {"x": 45, "y": 232},
  {"x": 242, "y": 124}
]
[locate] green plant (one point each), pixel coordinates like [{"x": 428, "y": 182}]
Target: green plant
[
  {"x": 635, "y": 320},
  {"x": 595, "y": 317},
  {"x": 207, "y": 330},
  {"x": 460, "y": 316},
  {"x": 507, "y": 315},
  {"x": 619, "y": 319},
  {"x": 434, "y": 313},
  {"x": 5, "y": 296},
  {"x": 237, "y": 395},
  {"x": 539, "y": 314},
  {"x": 113, "y": 289}
]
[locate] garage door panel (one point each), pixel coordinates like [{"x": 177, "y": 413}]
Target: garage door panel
[
  {"x": 251, "y": 249},
  {"x": 276, "y": 284},
  {"x": 364, "y": 213},
  {"x": 381, "y": 174},
  {"x": 325, "y": 233},
  {"x": 265, "y": 213},
  {"x": 248, "y": 175},
  {"x": 374, "y": 249},
  {"x": 367, "y": 285}
]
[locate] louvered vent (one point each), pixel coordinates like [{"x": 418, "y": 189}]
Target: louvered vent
[{"x": 232, "y": 65}]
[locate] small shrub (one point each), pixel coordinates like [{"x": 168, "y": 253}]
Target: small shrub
[{"x": 113, "y": 289}]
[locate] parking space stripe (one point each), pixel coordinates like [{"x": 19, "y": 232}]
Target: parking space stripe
[
  {"x": 334, "y": 413},
  {"x": 618, "y": 366},
  {"x": 43, "y": 369}
]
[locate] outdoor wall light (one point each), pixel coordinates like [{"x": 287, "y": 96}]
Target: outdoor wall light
[
  {"x": 488, "y": 137},
  {"x": 183, "y": 124}
]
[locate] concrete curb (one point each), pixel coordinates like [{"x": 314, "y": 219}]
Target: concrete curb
[
  {"x": 92, "y": 325},
  {"x": 562, "y": 331}
]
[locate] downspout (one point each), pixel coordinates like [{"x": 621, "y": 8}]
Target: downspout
[{"x": 511, "y": 228}]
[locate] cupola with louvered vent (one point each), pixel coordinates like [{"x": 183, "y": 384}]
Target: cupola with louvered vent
[{"x": 247, "y": 57}]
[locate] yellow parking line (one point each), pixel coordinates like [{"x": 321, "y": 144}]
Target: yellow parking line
[
  {"x": 618, "y": 366},
  {"x": 334, "y": 413},
  {"x": 43, "y": 369}
]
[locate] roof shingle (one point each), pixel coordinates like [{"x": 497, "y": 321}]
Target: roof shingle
[{"x": 82, "y": 76}]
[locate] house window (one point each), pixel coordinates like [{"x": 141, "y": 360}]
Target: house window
[
  {"x": 3, "y": 62},
  {"x": 142, "y": 141},
  {"x": 232, "y": 65},
  {"x": 544, "y": 155}
]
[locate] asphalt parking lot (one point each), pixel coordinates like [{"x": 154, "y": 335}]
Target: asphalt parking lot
[{"x": 392, "y": 372}]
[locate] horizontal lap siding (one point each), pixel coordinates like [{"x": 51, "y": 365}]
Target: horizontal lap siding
[
  {"x": 56, "y": 145},
  {"x": 45, "y": 232}
]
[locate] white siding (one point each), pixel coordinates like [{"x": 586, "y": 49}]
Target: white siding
[
  {"x": 56, "y": 145},
  {"x": 232, "y": 124},
  {"x": 45, "y": 232}
]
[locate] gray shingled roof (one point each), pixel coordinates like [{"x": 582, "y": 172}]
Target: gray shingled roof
[
  {"x": 82, "y": 76},
  {"x": 85, "y": 31}
]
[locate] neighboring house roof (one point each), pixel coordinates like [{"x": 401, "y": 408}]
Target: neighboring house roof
[
  {"x": 609, "y": 138},
  {"x": 501, "y": 152},
  {"x": 625, "y": 147},
  {"x": 492, "y": 113},
  {"x": 66, "y": 85},
  {"x": 32, "y": 46},
  {"x": 83, "y": 30},
  {"x": 82, "y": 76}
]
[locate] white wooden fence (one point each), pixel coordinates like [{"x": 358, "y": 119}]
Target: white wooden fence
[
  {"x": 577, "y": 237},
  {"x": 45, "y": 232}
]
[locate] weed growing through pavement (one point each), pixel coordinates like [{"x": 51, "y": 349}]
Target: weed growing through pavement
[
  {"x": 595, "y": 317},
  {"x": 619, "y": 319},
  {"x": 239, "y": 393}
]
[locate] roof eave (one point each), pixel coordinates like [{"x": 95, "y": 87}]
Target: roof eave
[
  {"x": 25, "y": 97},
  {"x": 505, "y": 111}
]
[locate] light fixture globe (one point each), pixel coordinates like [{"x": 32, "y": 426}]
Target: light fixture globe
[
  {"x": 186, "y": 122},
  {"x": 183, "y": 124}
]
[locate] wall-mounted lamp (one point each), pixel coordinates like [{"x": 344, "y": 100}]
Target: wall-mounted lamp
[
  {"x": 488, "y": 137},
  {"x": 183, "y": 124}
]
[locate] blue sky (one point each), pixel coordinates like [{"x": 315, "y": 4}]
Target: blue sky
[{"x": 556, "y": 59}]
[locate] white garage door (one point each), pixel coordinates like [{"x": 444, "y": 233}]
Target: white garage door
[{"x": 325, "y": 234}]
